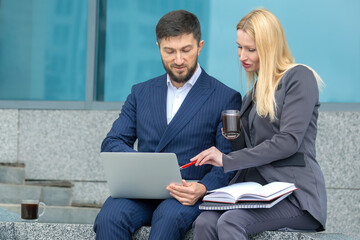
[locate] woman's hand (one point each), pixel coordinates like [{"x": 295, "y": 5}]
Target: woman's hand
[{"x": 209, "y": 156}]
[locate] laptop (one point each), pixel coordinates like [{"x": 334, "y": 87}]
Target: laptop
[{"x": 140, "y": 175}]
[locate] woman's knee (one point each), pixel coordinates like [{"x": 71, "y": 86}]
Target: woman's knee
[
  {"x": 205, "y": 226},
  {"x": 203, "y": 222},
  {"x": 229, "y": 226}
]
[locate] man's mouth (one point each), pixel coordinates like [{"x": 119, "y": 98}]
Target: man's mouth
[{"x": 179, "y": 68}]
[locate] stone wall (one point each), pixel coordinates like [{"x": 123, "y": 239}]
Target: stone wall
[{"x": 64, "y": 145}]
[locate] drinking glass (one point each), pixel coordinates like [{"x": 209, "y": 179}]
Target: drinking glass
[
  {"x": 30, "y": 210},
  {"x": 231, "y": 123}
]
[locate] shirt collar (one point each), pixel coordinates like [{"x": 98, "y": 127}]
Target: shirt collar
[{"x": 191, "y": 81}]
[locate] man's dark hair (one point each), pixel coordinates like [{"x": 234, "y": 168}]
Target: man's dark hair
[{"x": 176, "y": 23}]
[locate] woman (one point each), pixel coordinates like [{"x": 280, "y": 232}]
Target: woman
[{"x": 277, "y": 140}]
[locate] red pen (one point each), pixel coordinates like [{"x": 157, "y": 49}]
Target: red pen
[{"x": 187, "y": 165}]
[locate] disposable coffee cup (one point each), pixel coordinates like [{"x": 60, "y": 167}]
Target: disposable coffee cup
[
  {"x": 30, "y": 210},
  {"x": 231, "y": 123}
]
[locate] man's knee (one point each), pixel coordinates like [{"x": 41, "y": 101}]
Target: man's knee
[
  {"x": 103, "y": 218},
  {"x": 168, "y": 217},
  {"x": 111, "y": 212},
  {"x": 172, "y": 212}
]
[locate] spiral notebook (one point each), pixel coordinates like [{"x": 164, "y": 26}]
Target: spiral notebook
[{"x": 246, "y": 204}]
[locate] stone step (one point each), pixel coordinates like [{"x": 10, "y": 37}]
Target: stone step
[
  {"x": 7, "y": 216},
  {"x": 53, "y": 196},
  {"x": 11, "y": 193},
  {"x": 56, "y": 214},
  {"x": 35, "y": 231},
  {"x": 12, "y": 174}
]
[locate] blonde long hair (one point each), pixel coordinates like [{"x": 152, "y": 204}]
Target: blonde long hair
[{"x": 275, "y": 58}]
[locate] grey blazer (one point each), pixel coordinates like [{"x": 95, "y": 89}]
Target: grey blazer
[{"x": 284, "y": 150}]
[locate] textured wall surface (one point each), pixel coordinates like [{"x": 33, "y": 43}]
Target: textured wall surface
[
  {"x": 65, "y": 145},
  {"x": 8, "y": 135},
  {"x": 338, "y": 153}
]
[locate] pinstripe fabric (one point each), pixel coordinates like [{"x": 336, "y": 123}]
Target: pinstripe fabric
[
  {"x": 120, "y": 217},
  {"x": 195, "y": 127}
]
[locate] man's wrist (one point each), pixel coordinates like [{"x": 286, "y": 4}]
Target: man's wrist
[{"x": 203, "y": 189}]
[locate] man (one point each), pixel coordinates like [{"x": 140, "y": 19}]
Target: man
[{"x": 177, "y": 112}]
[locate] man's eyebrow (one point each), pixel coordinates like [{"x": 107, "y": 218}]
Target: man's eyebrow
[
  {"x": 187, "y": 46},
  {"x": 170, "y": 48}
]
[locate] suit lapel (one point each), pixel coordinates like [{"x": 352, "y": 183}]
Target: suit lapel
[
  {"x": 158, "y": 104},
  {"x": 244, "y": 116},
  {"x": 246, "y": 103},
  {"x": 197, "y": 96},
  {"x": 251, "y": 117}
]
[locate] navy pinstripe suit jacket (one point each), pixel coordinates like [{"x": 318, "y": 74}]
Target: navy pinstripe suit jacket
[{"x": 195, "y": 127}]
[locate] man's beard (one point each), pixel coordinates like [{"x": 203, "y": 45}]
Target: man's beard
[{"x": 181, "y": 79}]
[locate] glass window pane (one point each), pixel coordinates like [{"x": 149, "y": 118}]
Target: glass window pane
[
  {"x": 131, "y": 53},
  {"x": 43, "y": 47}
]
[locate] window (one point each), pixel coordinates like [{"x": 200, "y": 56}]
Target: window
[
  {"x": 86, "y": 54},
  {"x": 43, "y": 45},
  {"x": 128, "y": 53}
]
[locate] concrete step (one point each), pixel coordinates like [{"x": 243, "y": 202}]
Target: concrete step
[
  {"x": 11, "y": 193},
  {"x": 56, "y": 214},
  {"x": 7, "y": 216},
  {"x": 35, "y": 231},
  {"x": 12, "y": 174},
  {"x": 53, "y": 196}
]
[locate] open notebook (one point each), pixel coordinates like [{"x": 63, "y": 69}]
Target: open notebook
[{"x": 247, "y": 204}]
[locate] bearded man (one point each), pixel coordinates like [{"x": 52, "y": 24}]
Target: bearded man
[{"x": 178, "y": 112}]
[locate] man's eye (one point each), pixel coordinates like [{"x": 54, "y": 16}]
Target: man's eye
[
  {"x": 240, "y": 47},
  {"x": 169, "y": 51}
]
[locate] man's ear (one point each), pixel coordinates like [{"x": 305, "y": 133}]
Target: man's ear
[
  {"x": 157, "y": 43},
  {"x": 201, "y": 44}
]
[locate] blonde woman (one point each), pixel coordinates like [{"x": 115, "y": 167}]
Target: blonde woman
[{"x": 277, "y": 141}]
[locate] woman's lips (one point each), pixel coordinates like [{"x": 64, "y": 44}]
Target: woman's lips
[{"x": 245, "y": 65}]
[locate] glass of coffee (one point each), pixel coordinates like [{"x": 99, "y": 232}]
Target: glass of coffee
[
  {"x": 231, "y": 123},
  {"x": 30, "y": 210}
]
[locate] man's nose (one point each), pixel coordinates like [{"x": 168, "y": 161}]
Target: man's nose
[{"x": 179, "y": 60}]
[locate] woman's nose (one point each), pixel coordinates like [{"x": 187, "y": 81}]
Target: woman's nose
[{"x": 242, "y": 56}]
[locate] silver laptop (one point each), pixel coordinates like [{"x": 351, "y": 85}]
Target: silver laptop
[{"x": 140, "y": 175}]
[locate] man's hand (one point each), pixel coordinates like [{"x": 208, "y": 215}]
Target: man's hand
[{"x": 188, "y": 193}]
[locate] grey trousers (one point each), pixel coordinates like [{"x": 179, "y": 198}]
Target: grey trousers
[{"x": 240, "y": 223}]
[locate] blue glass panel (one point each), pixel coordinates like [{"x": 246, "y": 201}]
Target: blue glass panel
[
  {"x": 43, "y": 46},
  {"x": 322, "y": 34},
  {"x": 132, "y": 55}
]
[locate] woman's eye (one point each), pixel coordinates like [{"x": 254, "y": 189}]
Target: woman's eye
[{"x": 252, "y": 50}]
